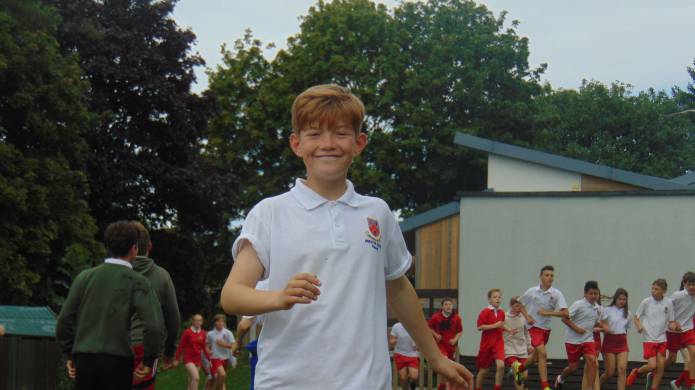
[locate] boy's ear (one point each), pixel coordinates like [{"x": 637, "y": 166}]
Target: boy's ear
[
  {"x": 294, "y": 143},
  {"x": 361, "y": 141}
]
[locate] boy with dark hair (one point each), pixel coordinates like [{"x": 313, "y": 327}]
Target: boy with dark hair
[
  {"x": 584, "y": 315},
  {"x": 329, "y": 253},
  {"x": 541, "y": 303},
  {"x": 654, "y": 315},
  {"x": 446, "y": 327},
  {"x": 93, "y": 328},
  {"x": 164, "y": 288},
  {"x": 683, "y": 338}
]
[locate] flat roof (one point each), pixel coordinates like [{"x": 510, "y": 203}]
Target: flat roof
[
  {"x": 567, "y": 164},
  {"x": 429, "y": 216}
]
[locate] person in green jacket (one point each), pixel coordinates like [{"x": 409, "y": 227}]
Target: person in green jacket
[
  {"x": 164, "y": 288},
  {"x": 93, "y": 328}
]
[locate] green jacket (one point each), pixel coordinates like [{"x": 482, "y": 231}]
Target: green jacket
[
  {"x": 96, "y": 316},
  {"x": 164, "y": 288}
]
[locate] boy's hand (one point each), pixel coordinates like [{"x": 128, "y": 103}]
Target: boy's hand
[
  {"x": 543, "y": 312},
  {"x": 141, "y": 371},
  {"x": 72, "y": 372},
  {"x": 302, "y": 288},
  {"x": 530, "y": 320},
  {"x": 453, "y": 342},
  {"x": 530, "y": 350},
  {"x": 437, "y": 337},
  {"x": 167, "y": 363},
  {"x": 640, "y": 329},
  {"x": 456, "y": 376}
]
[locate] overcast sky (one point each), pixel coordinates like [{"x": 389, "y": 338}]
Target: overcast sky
[{"x": 643, "y": 43}]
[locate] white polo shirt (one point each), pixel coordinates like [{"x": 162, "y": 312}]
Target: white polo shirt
[
  {"x": 683, "y": 308},
  {"x": 616, "y": 320},
  {"x": 404, "y": 345},
  {"x": 655, "y": 316},
  {"x": 354, "y": 245},
  {"x": 219, "y": 352},
  {"x": 536, "y": 298},
  {"x": 585, "y": 315}
]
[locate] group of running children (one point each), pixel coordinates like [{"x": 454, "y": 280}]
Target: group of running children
[
  {"x": 333, "y": 259},
  {"x": 518, "y": 339}
]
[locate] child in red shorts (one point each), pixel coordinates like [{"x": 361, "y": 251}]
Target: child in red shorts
[
  {"x": 491, "y": 324},
  {"x": 654, "y": 315},
  {"x": 190, "y": 348},
  {"x": 446, "y": 327},
  {"x": 616, "y": 320},
  {"x": 405, "y": 356},
  {"x": 517, "y": 342}
]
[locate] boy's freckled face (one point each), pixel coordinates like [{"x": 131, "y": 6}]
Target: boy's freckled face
[{"x": 328, "y": 150}]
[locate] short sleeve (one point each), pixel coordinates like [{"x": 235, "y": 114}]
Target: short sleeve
[
  {"x": 561, "y": 303},
  {"x": 482, "y": 318},
  {"x": 640, "y": 309},
  {"x": 669, "y": 308},
  {"x": 398, "y": 258},
  {"x": 255, "y": 231},
  {"x": 459, "y": 325},
  {"x": 525, "y": 299},
  {"x": 573, "y": 309}
]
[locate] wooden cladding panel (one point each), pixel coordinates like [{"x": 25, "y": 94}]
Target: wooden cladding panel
[
  {"x": 437, "y": 254},
  {"x": 593, "y": 183}
]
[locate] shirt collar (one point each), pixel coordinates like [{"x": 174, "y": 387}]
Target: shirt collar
[
  {"x": 492, "y": 308},
  {"x": 311, "y": 200},
  {"x": 112, "y": 260}
]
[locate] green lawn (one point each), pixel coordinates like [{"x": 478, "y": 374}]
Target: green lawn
[{"x": 176, "y": 379}]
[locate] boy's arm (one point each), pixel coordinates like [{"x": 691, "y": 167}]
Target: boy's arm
[
  {"x": 562, "y": 313},
  {"x": 404, "y": 302},
  {"x": 638, "y": 325},
  {"x": 150, "y": 312},
  {"x": 242, "y": 328},
  {"x": 240, "y": 296},
  {"x": 573, "y": 326},
  {"x": 65, "y": 327},
  {"x": 392, "y": 341}
]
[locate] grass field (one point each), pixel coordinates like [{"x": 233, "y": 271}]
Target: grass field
[{"x": 175, "y": 379}]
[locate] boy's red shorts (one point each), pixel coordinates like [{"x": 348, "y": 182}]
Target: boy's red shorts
[
  {"x": 488, "y": 354},
  {"x": 651, "y": 349},
  {"x": 615, "y": 343},
  {"x": 539, "y": 336},
  {"x": 688, "y": 338},
  {"x": 447, "y": 349},
  {"x": 509, "y": 360},
  {"x": 216, "y": 363},
  {"x": 576, "y": 351},
  {"x": 597, "y": 341},
  {"x": 403, "y": 361},
  {"x": 146, "y": 383},
  {"x": 673, "y": 341}
]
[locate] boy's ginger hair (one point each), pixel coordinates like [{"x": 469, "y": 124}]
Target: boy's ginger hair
[{"x": 327, "y": 104}]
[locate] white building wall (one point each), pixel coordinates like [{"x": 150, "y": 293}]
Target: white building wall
[
  {"x": 619, "y": 241},
  {"x": 511, "y": 175}
]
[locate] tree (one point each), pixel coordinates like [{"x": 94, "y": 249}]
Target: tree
[
  {"x": 424, "y": 71},
  {"x": 46, "y": 232},
  {"x": 610, "y": 125},
  {"x": 147, "y": 158}
]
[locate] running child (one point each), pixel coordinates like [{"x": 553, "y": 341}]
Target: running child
[
  {"x": 328, "y": 253},
  {"x": 220, "y": 342},
  {"x": 446, "y": 327},
  {"x": 654, "y": 315},
  {"x": 517, "y": 342},
  {"x": 93, "y": 328},
  {"x": 491, "y": 324},
  {"x": 541, "y": 303},
  {"x": 616, "y": 319},
  {"x": 405, "y": 356},
  {"x": 683, "y": 338},
  {"x": 191, "y": 346},
  {"x": 584, "y": 314}
]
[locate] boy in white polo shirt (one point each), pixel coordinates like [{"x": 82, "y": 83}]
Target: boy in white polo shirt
[
  {"x": 654, "y": 315},
  {"x": 683, "y": 339},
  {"x": 405, "y": 356},
  {"x": 584, "y": 315},
  {"x": 220, "y": 342},
  {"x": 332, "y": 258},
  {"x": 541, "y": 303}
]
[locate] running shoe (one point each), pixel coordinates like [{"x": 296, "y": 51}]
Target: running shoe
[{"x": 632, "y": 377}]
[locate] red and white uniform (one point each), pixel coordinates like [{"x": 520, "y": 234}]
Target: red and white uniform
[
  {"x": 405, "y": 352},
  {"x": 491, "y": 340},
  {"x": 585, "y": 315},
  {"x": 615, "y": 340},
  {"x": 654, "y": 316},
  {"x": 683, "y": 310},
  {"x": 534, "y": 299},
  {"x": 191, "y": 346},
  {"x": 448, "y": 328},
  {"x": 516, "y": 345}
]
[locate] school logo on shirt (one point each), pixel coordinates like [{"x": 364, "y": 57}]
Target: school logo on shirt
[{"x": 373, "y": 233}]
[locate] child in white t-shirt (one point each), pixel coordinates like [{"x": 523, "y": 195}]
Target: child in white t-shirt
[
  {"x": 405, "y": 356},
  {"x": 220, "y": 342},
  {"x": 616, "y": 320},
  {"x": 329, "y": 254}
]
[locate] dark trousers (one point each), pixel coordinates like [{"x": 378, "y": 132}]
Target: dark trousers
[{"x": 107, "y": 372}]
